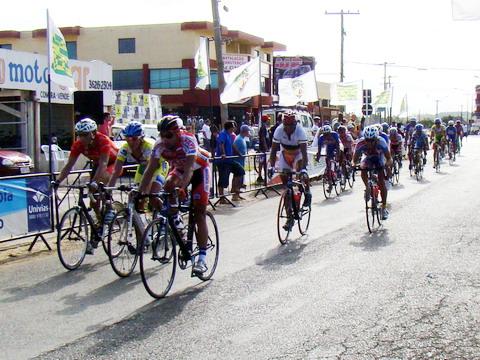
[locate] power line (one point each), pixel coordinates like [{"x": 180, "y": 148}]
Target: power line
[{"x": 415, "y": 67}]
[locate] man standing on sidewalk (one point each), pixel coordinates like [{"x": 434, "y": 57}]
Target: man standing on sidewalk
[{"x": 207, "y": 135}]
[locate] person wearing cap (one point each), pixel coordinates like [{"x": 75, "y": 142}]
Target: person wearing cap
[
  {"x": 240, "y": 149},
  {"x": 264, "y": 142}
]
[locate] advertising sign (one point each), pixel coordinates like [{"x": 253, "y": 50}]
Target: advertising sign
[
  {"x": 24, "y": 206},
  {"x": 28, "y": 71},
  {"x": 288, "y": 67},
  {"x": 232, "y": 61},
  {"x": 145, "y": 108}
]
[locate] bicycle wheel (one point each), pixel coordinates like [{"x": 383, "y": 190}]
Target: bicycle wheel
[
  {"x": 158, "y": 258},
  {"x": 343, "y": 180},
  {"x": 122, "y": 244},
  {"x": 283, "y": 228},
  {"x": 418, "y": 171},
  {"x": 437, "y": 162},
  {"x": 372, "y": 212},
  {"x": 213, "y": 247},
  {"x": 327, "y": 186},
  {"x": 303, "y": 213},
  {"x": 396, "y": 174},
  {"x": 72, "y": 238},
  {"x": 336, "y": 182},
  {"x": 350, "y": 176}
]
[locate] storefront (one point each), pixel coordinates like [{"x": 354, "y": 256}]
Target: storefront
[{"x": 24, "y": 98}]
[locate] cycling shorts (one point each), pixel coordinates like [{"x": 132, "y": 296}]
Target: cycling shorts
[
  {"x": 372, "y": 162},
  {"x": 288, "y": 160}
]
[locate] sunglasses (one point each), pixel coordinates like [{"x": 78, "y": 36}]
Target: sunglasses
[
  {"x": 131, "y": 138},
  {"x": 82, "y": 134},
  {"x": 167, "y": 135}
]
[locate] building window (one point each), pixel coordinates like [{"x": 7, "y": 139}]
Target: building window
[
  {"x": 126, "y": 46},
  {"x": 72, "y": 49},
  {"x": 169, "y": 79},
  {"x": 268, "y": 57},
  {"x": 257, "y": 53},
  {"x": 127, "y": 79},
  {"x": 213, "y": 79},
  {"x": 6, "y": 46}
]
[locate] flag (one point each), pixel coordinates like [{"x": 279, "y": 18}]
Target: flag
[
  {"x": 242, "y": 82},
  {"x": 384, "y": 99},
  {"x": 59, "y": 69},
  {"x": 300, "y": 89},
  {"x": 202, "y": 64},
  {"x": 465, "y": 10},
  {"x": 403, "y": 105}
]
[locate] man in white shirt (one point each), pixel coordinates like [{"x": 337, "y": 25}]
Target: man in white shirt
[{"x": 207, "y": 135}]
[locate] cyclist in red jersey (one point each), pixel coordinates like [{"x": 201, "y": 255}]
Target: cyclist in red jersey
[{"x": 189, "y": 164}]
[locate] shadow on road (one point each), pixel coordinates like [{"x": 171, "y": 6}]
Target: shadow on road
[
  {"x": 283, "y": 255},
  {"x": 373, "y": 242},
  {"x": 53, "y": 284}
]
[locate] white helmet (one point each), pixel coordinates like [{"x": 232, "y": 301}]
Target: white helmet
[
  {"x": 450, "y": 123},
  {"x": 327, "y": 129},
  {"x": 371, "y": 132},
  {"x": 85, "y": 126}
]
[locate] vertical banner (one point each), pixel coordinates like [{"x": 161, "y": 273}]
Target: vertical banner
[{"x": 145, "y": 108}]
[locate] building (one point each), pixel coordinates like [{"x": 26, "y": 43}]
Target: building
[{"x": 159, "y": 59}]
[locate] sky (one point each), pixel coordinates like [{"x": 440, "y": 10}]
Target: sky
[{"x": 430, "y": 56}]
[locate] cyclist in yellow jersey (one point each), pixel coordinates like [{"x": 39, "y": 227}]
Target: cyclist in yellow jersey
[
  {"x": 438, "y": 136},
  {"x": 139, "y": 149}
]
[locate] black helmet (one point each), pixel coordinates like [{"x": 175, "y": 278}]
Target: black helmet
[{"x": 169, "y": 122}]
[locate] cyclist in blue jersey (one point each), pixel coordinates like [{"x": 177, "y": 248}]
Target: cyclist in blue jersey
[
  {"x": 418, "y": 142},
  {"x": 451, "y": 132},
  {"x": 331, "y": 140}
]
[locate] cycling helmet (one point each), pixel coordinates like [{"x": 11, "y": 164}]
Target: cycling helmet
[
  {"x": 393, "y": 130},
  {"x": 385, "y": 127},
  {"x": 317, "y": 118},
  {"x": 336, "y": 126},
  {"x": 288, "y": 118},
  {"x": 327, "y": 129},
  {"x": 438, "y": 121},
  {"x": 450, "y": 123},
  {"x": 459, "y": 122},
  {"x": 419, "y": 127},
  {"x": 341, "y": 128},
  {"x": 134, "y": 128},
  {"x": 169, "y": 123},
  {"x": 370, "y": 132},
  {"x": 350, "y": 126},
  {"x": 265, "y": 118},
  {"x": 379, "y": 127},
  {"x": 413, "y": 120},
  {"x": 85, "y": 126}
]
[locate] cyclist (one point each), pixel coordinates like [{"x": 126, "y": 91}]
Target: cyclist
[
  {"x": 437, "y": 137},
  {"x": 418, "y": 142},
  {"x": 291, "y": 140},
  {"x": 385, "y": 128},
  {"x": 382, "y": 133},
  {"x": 331, "y": 140},
  {"x": 460, "y": 133},
  {"x": 352, "y": 131},
  {"x": 408, "y": 131},
  {"x": 375, "y": 156},
  {"x": 451, "y": 133},
  {"x": 98, "y": 148},
  {"x": 189, "y": 164},
  {"x": 396, "y": 142},
  {"x": 347, "y": 141}
]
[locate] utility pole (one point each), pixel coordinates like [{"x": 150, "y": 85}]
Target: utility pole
[
  {"x": 219, "y": 55},
  {"x": 342, "y": 35},
  {"x": 436, "y": 114},
  {"x": 385, "y": 74}
]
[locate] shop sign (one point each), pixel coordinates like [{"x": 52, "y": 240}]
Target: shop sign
[
  {"x": 232, "y": 61},
  {"x": 28, "y": 71}
]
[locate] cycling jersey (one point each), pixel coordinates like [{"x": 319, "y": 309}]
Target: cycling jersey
[
  {"x": 438, "y": 133},
  {"x": 419, "y": 140},
  {"x": 331, "y": 142},
  {"x": 459, "y": 129},
  {"x": 290, "y": 146},
  {"x": 373, "y": 154},
  {"x": 125, "y": 155},
  {"x": 101, "y": 144},
  {"x": 396, "y": 142},
  {"x": 451, "y": 132},
  {"x": 347, "y": 142},
  {"x": 385, "y": 137}
]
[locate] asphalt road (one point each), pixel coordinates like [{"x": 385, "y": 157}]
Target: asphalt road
[{"x": 411, "y": 290}]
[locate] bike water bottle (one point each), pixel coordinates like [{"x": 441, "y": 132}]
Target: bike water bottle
[{"x": 296, "y": 197}]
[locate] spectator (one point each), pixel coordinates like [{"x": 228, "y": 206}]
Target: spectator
[
  {"x": 213, "y": 138},
  {"x": 207, "y": 134},
  {"x": 264, "y": 142},
  {"x": 105, "y": 127},
  {"x": 240, "y": 149},
  {"x": 227, "y": 165}
]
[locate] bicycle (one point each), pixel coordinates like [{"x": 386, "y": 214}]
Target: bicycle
[
  {"x": 436, "y": 159},
  {"x": 331, "y": 179},
  {"x": 293, "y": 197},
  {"x": 124, "y": 236},
  {"x": 158, "y": 254},
  {"x": 397, "y": 165},
  {"x": 372, "y": 201},
  {"x": 418, "y": 164},
  {"x": 77, "y": 228},
  {"x": 451, "y": 152}
]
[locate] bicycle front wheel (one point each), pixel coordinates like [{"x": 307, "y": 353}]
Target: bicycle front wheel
[
  {"x": 327, "y": 185},
  {"x": 303, "y": 213},
  {"x": 123, "y": 239},
  {"x": 213, "y": 247},
  {"x": 158, "y": 258},
  {"x": 372, "y": 211},
  {"x": 72, "y": 238},
  {"x": 285, "y": 221}
]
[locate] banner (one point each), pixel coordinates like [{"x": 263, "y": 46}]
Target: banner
[
  {"x": 346, "y": 93},
  {"x": 24, "y": 206},
  {"x": 202, "y": 64},
  {"x": 300, "y": 89},
  {"x": 59, "y": 69},
  {"x": 404, "y": 105},
  {"x": 145, "y": 108},
  {"x": 384, "y": 99},
  {"x": 28, "y": 71},
  {"x": 242, "y": 82},
  {"x": 232, "y": 61},
  {"x": 465, "y": 10},
  {"x": 287, "y": 67}
]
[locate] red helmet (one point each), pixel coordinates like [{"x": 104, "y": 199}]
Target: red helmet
[
  {"x": 265, "y": 118},
  {"x": 288, "y": 118}
]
